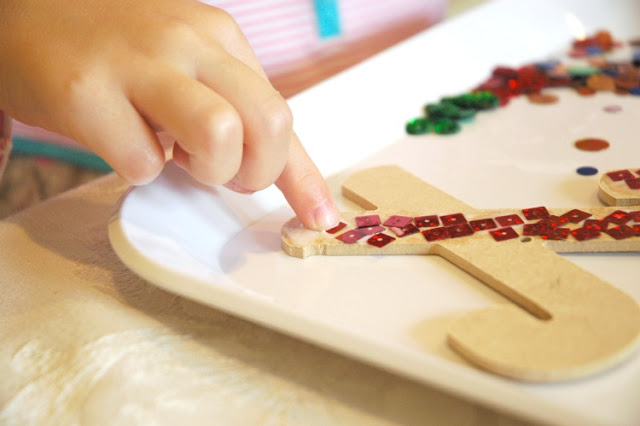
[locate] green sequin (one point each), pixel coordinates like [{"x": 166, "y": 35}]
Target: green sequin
[
  {"x": 445, "y": 126},
  {"x": 448, "y": 110},
  {"x": 418, "y": 126},
  {"x": 477, "y": 101}
]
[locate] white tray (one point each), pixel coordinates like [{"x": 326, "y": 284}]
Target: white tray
[{"x": 223, "y": 249}]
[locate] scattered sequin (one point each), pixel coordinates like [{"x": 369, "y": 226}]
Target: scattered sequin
[
  {"x": 453, "y": 219},
  {"x": 445, "y": 126},
  {"x": 436, "y": 234},
  {"x": 576, "y": 216},
  {"x": 620, "y": 175},
  {"x": 586, "y": 91},
  {"x": 380, "y": 240},
  {"x": 583, "y": 234},
  {"x": 536, "y": 213},
  {"x": 601, "y": 82},
  {"x": 633, "y": 183},
  {"x": 336, "y": 228},
  {"x": 612, "y": 108},
  {"x": 351, "y": 236},
  {"x": 595, "y": 225},
  {"x": 531, "y": 229},
  {"x": 426, "y": 221},
  {"x": 542, "y": 98},
  {"x": 587, "y": 171},
  {"x": 555, "y": 221},
  {"x": 369, "y": 220},
  {"x": 418, "y": 126},
  {"x": 618, "y": 217},
  {"x": 398, "y": 221},
  {"x": 557, "y": 234},
  {"x": 461, "y": 230},
  {"x": 482, "y": 224},
  {"x": 404, "y": 231},
  {"x": 591, "y": 144},
  {"x": 621, "y": 232},
  {"x": 504, "y": 234},
  {"x": 371, "y": 230},
  {"x": 509, "y": 220}
]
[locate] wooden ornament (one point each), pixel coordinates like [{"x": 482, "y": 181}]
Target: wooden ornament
[
  {"x": 620, "y": 192},
  {"x": 566, "y": 322}
]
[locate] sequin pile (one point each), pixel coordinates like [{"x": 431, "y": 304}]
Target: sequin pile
[
  {"x": 597, "y": 74},
  {"x": 534, "y": 222}
]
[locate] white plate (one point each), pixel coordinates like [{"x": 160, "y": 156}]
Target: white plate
[{"x": 223, "y": 249}]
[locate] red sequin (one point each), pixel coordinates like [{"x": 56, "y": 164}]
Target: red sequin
[
  {"x": 621, "y": 232},
  {"x": 555, "y": 221},
  {"x": 530, "y": 79},
  {"x": 365, "y": 221},
  {"x": 482, "y": 224},
  {"x": 620, "y": 175},
  {"x": 536, "y": 213},
  {"x": 502, "y": 234},
  {"x": 461, "y": 230},
  {"x": 398, "y": 221},
  {"x": 618, "y": 217},
  {"x": 633, "y": 183},
  {"x": 435, "y": 234},
  {"x": 380, "y": 240},
  {"x": 576, "y": 216},
  {"x": 336, "y": 228},
  {"x": 583, "y": 234},
  {"x": 539, "y": 228},
  {"x": 636, "y": 229},
  {"x": 351, "y": 236},
  {"x": 453, "y": 219},
  {"x": 509, "y": 220},
  {"x": 426, "y": 221},
  {"x": 635, "y": 216},
  {"x": 557, "y": 234},
  {"x": 595, "y": 225},
  {"x": 404, "y": 231}
]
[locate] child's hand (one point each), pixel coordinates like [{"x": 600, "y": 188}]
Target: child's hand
[{"x": 110, "y": 73}]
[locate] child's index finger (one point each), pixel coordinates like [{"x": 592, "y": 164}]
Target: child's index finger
[{"x": 306, "y": 190}]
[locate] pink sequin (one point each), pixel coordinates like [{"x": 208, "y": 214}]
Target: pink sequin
[{"x": 365, "y": 221}]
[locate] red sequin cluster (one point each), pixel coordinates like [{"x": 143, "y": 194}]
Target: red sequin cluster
[
  {"x": 630, "y": 178},
  {"x": 539, "y": 223}
]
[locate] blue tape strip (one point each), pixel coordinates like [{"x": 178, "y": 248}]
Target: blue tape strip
[
  {"x": 75, "y": 156},
  {"x": 328, "y": 17}
]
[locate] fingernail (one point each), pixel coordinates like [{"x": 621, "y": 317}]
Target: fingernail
[{"x": 326, "y": 216}]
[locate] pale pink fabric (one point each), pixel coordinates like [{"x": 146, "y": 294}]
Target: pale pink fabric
[{"x": 284, "y": 35}]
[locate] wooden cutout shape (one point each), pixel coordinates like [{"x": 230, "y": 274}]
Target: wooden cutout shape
[
  {"x": 569, "y": 322},
  {"x": 618, "y": 193}
]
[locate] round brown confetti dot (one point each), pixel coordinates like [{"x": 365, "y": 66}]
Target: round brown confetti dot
[
  {"x": 542, "y": 98},
  {"x": 585, "y": 91},
  {"x": 591, "y": 144},
  {"x": 601, "y": 82}
]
